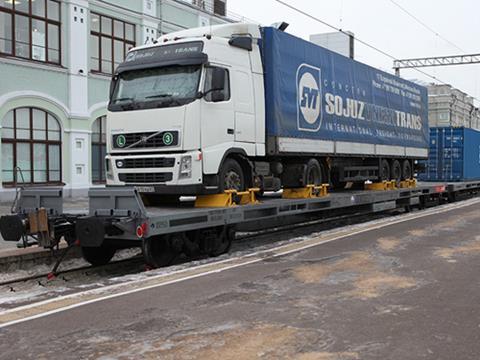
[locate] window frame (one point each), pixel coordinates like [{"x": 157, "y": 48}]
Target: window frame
[
  {"x": 13, "y": 12},
  {"x": 103, "y": 175},
  {"x": 229, "y": 84},
  {"x": 112, "y": 38},
  {"x": 31, "y": 142}
]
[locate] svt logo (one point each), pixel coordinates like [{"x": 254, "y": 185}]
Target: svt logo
[
  {"x": 309, "y": 98},
  {"x": 309, "y": 109}
]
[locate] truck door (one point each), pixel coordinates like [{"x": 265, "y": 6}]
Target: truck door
[
  {"x": 244, "y": 106},
  {"x": 218, "y": 122}
]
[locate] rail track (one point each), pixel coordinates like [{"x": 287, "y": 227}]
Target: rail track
[{"x": 243, "y": 241}]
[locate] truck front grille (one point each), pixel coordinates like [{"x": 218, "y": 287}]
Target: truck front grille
[
  {"x": 143, "y": 141},
  {"x": 148, "y": 163},
  {"x": 143, "y": 178}
]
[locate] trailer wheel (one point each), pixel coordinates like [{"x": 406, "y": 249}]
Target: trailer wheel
[
  {"x": 231, "y": 176},
  {"x": 98, "y": 256},
  {"x": 407, "y": 170},
  {"x": 313, "y": 173},
  {"x": 158, "y": 251},
  {"x": 396, "y": 171},
  {"x": 384, "y": 170}
]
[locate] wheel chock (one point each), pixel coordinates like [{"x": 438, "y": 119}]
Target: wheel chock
[
  {"x": 308, "y": 192},
  {"x": 248, "y": 197},
  {"x": 216, "y": 200},
  {"x": 408, "y": 184},
  {"x": 381, "y": 186},
  {"x": 228, "y": 199}
]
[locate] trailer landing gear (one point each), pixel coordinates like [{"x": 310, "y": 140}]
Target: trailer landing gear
[{"x": 162, "y": 250}]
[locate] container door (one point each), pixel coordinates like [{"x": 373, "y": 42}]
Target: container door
[
  {"x": 244, "y": 107},
  {"x": 457, "y": 154},
  {"x": 471, "y": 161}
]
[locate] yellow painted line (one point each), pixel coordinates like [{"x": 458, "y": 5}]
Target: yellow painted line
[{"x": 63, "y": 303}]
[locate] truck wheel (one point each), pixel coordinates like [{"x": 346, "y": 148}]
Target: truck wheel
[
  {"x": 231, "y": 176},
  {"x": 396, "y": 171},
  {"x": 158, "y": 251},
  {"x": 407, "y": 170},
  {"x": 313, "y": 174},
  {"x": 98, "y": 256},
  {"x": 384, "y": 171}
]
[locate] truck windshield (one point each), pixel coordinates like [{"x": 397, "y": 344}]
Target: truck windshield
[{"x": 155, "y": 88}]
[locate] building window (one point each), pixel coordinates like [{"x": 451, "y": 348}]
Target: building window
[
  {"x": 219, "y": 7},
  {"x": 110, "y": 40},
  {"x": 30, "y": 29},
  {"x": 99, "y": 149},
  {"x": 31, "y": 141}
]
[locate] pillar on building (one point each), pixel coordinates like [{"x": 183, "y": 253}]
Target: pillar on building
[
  {"x": 150, "y": 22},
  {"x": 77, "y": 175}
]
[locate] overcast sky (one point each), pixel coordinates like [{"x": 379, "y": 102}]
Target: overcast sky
[{"x": 382, "y": 24}]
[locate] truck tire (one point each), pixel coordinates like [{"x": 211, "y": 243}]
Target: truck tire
[
  {"x": 313, "y": 173},
  {"x": 407, "y": 170},
  {"x": 384, "y": 173},
  {"x": 98, "y": 256},
  {"x": 396, "y": 171},
  {"x": 231, "y": 176}
]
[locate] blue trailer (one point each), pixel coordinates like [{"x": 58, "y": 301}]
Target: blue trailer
[
  {"x": 454, "y": 155},
  {"x": 322, "y": 103},
  {"x": 316, "y": 94}
]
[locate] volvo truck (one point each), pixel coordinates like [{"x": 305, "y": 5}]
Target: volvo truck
[{"x": 237, "y": 106}]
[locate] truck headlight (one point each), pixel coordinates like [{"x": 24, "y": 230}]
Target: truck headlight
[{"x": 186, "y": 167}]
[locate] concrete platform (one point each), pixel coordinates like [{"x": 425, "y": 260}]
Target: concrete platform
[{"x": 402, "y": 290}]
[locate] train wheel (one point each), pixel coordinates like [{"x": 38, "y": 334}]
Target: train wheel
[
  {"x": 223, "y": 241},
  {"x": 384, "y": 171},
  {"x": 158, "y": 251},
  {"x": 407, "y": 170},
  {"x": 98, "y": 256},
  {"x": 396, "y": 171}
]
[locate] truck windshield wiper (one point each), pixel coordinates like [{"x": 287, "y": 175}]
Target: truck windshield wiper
[
  {"x": 122, "y": 99},
  {"x": 159, "y": 96}
]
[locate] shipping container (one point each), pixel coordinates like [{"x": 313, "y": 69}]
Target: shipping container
[
  {"x": 454, "y": 155},
  {"x": 316, "y": 98}
]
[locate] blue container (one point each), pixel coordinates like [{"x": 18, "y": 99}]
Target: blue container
[
  {"x": 454, "y": 155},
  {"x": 316, "y": 94}
]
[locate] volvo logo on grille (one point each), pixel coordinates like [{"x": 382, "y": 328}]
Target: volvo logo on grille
[{"x": 144, "y": 139}]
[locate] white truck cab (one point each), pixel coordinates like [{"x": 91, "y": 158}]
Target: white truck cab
[{"x": 181, "y": 109}]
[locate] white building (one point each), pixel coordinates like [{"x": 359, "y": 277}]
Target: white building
[
  {"x": 56, "y": 61},
  {"x": 451, "y": 107}
]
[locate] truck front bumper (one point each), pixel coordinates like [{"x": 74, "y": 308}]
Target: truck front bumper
[{"x": 157, "y": 173}]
